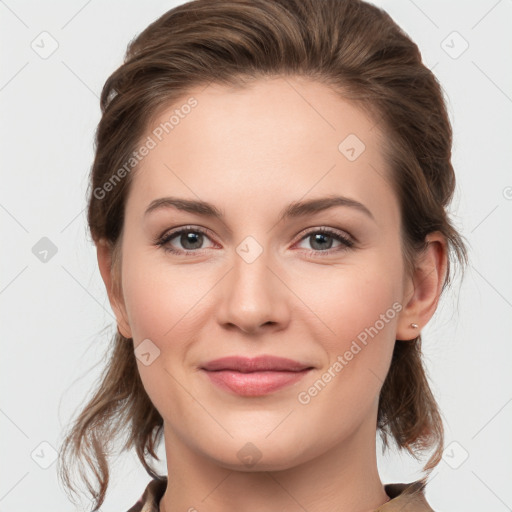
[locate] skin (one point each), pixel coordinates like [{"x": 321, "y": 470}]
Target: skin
[{"x": 251, "y": 153}]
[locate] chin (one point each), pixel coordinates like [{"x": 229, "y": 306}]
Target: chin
[{"x": 258, "y": 455}]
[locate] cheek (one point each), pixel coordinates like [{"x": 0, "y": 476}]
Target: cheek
[
  {"x": 358, "y": 310},
  {"x": 159, "y": 297},
  {"x": 351, "y": 298},
  {"x": 163, "y": 304},
  {"x": 361, "y": 313}
]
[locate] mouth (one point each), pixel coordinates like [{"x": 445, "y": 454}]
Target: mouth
[
  {"x": 255, "y": 364},
  {"x": 254, "y": 383},
  {"x": 254, "y": 376}
]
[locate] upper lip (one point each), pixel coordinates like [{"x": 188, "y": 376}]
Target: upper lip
[{"x": 255, "y": 364}]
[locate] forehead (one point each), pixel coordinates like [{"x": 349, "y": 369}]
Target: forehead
[{"x": 275, "y": 139}]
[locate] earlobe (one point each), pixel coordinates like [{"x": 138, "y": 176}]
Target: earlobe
[
  {"x": 423, "y": 289},
  {"x": 104, "y": 251}
]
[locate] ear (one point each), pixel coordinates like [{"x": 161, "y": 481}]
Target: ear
[
  {"x": 423, "y": 290},
  {"x": 104, "y": 252}
]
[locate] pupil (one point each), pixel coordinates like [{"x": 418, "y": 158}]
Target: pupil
[
  {"x": 191, "y": 238},
  {"x": 318, "y": 238}
]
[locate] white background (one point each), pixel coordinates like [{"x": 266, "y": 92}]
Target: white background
[{"x": 56, "y": 321}]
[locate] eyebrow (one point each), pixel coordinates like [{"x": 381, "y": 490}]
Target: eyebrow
[{"x": 293, "y": 210}]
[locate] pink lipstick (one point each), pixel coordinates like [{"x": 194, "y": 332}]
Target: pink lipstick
[{"x": 255, "y": 376}]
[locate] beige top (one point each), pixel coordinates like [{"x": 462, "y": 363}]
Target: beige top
[{"x": 404, "y": 497}]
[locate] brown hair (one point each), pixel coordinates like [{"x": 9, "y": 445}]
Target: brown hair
[{"x": 349, "y": 45}]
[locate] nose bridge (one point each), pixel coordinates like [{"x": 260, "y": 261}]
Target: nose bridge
[
  {"x": 251, "y": 279},
  {"x": 252, "y": 294}
]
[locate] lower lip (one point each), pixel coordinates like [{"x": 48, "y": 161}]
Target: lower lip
[{"x": 254, "y": 383}]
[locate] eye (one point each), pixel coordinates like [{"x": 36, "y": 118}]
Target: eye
[
  {"x": 191, "y": 238},
  {"x": 321, "y": 239}
]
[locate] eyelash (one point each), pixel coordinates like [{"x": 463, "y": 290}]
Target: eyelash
[{"x": 162, "y": 241}]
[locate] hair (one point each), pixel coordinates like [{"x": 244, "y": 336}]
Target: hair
[{"x": 357, "y": 50}]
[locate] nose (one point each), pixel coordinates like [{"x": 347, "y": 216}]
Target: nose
[{"x": 253, "y": 296}]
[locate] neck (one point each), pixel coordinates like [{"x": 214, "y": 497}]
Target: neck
[{"x": 343, "y": 477}]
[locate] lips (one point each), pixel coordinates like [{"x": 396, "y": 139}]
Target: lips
[
  {"x": 254, "y": 376},
  {"x": 256, "y": 364}
]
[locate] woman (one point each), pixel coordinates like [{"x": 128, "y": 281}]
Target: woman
[{"x": 269, "y": 205}]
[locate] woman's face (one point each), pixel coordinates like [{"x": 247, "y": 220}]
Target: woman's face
[{"x": 255, "y": 281}]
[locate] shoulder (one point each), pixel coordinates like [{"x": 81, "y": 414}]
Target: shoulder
[
  {"x": 151, "y": 496},
  {"x": 408, "y": 497}
]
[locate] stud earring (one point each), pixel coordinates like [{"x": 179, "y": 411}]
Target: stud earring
[{"x": 414, "y": 326}]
